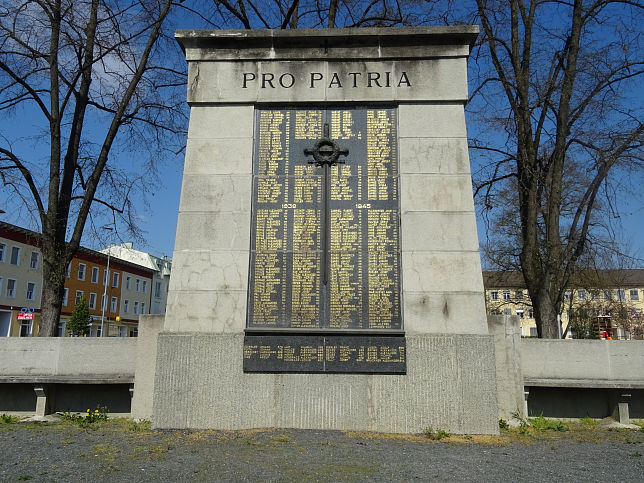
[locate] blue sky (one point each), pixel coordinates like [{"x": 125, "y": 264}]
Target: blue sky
[{"x": 158, "y": 219}]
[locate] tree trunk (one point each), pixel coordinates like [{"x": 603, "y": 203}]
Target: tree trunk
[
  {"x": 545, "y": 312},
  {"x": 54, "y": 269}
]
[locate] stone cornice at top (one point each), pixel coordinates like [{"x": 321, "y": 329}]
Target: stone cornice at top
[{"x": 327, "y": 44}]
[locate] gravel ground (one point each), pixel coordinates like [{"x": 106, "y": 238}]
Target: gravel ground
[{"x": 123, "y": 451}]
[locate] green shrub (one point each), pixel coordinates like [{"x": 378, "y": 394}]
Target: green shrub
[
  {"x": 87, "y": 419},
  {"x": 503, "y": 424},
  {"x": 435, "y": 435},
  {"x": 7, "y": 419},
  {"x": 544, "y": 424}
]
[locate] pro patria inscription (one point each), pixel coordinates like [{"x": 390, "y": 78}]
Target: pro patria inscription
[{"x": 325, "y": 251}]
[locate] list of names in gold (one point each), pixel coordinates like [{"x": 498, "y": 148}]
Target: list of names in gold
[{"x": 363, "y": 291}]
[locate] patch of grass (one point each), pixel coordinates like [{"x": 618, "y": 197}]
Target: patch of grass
[
  {"x": 157, "y": 452},
  {"x": 8, "y": 419},
  {"x": 544, "y": 424},
  {"x": 589, "y": 422},
  {"x": 139, "y": 426},
  {"x": 435, "y": 434},
  {"x": 637, "y": 454},
  {"x": 24, "y": 477},
  {"x": 106, "y": 451},
  {"x": 281, "y": 438}
]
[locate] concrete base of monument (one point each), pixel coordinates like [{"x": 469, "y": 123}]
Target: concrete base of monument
[{"x": 450, "y": 384}]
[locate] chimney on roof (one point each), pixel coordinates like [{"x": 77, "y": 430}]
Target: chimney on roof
[{"x": 129, "y": 245}]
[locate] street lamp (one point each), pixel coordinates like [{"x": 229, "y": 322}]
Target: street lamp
[{"x": 106, "y": 280}]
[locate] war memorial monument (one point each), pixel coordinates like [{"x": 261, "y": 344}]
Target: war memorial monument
[{"x": 326, "y": 271}]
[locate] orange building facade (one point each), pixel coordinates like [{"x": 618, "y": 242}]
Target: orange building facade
[{"x": 126, "y": 296}]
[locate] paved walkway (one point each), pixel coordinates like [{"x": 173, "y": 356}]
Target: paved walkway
[{"x": 122, "y": 451}]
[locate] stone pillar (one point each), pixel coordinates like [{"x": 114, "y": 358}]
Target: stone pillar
[
  {"x": 44, "y": 399},
  {"x": 421, "y": 72},
  {"x": 506, "y": 330}
]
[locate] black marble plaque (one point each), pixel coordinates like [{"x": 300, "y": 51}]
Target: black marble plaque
[
  {"x": 325, "y": 353},
  {"x": 362, "y": 256}
]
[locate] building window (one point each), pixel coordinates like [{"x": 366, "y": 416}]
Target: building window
[
  {"x": 60, "y": 328},
  {"x": 126, "y": 306},
  {"x": 25, "y": 328},
  {"x": 31, "y": 290},
  {"x": 621, "y": 294},
  {"x": 145, "y": 286},
  {"x": 531, "y": 313},
  {"x": 567, "y": 295},
  {"x": 635, "y": 294},
  {"x": 103, "y": 302},
  {"x": 114, "y": 303},
  {"x": 68, "y": 272},
  {"x": 105, "y": 276},
  {"x": 11, "y": 288},
  {"x": 494, "y": 295},
  {"x": 520, "y": 313},
  {"x": 581, "y": 294},
  {"x": 95, "y": 272},
  {"x": 115, "y": 279},
  {"x": 92, "y": 300},
  {"x": 3, "y": 249},
  {"x": 15, "y": 256},
  {"x": 157, "y": 289},
  {"x": 33, "y": 263},
  {"x": 506, "y": 295},
  {"x": 79, "y": 295},
  {"x": 136, "y": 308},
  {"x": 137, "y": 285},
  {"x": 122, "y": 331},
  {"x": 533, "y": 331},
  {"x": 128, "y": 282},
  {"x": 65, "y": 296},
  {"x": 518, "y": 295},
  {"x": 81, "y": 271},
  {"x": 594, "y": 294},
  {"x": 143, "y": 307},
  {"x": 507, "y": 311},
  {"x": 608, "y": 295},
  {"x": 134, "y": 332}
]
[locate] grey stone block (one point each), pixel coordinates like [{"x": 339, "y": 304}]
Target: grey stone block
[
  {"x": 446, "y": 376},
  {"x": 219, "y": 156},
  {"x": 442, "y": 272},
  {"x": 206, "y": 311},
  {"x": 438, "y": 231},
  {"x": 429, "y": 192},
  {"x": 215, "y": 192},
  {"x": 431, "y": 121},
  {"x": 217, "y": 231},
  {"x": 221, "y": 122}
]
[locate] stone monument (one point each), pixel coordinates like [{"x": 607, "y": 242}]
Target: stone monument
[{"x": 326, "y": 271}]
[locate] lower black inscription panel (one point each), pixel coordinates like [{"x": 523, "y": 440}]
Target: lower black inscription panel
[{"x": 325, "y": 353}]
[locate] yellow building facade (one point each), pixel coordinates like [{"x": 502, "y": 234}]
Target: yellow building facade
[{"x": 604, "y": 303}]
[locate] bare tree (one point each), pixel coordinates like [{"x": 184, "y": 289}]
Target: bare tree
[
  {"x": 88, "y": 69},
  {"x": 282, "y": 14},
  {"x": 555, "y": 88}
]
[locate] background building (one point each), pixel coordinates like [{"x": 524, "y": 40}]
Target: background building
[
  {"x": 161, "y": 272},
  {"x": 116, "y": 298},
  {"x": 598, "y": 303}
]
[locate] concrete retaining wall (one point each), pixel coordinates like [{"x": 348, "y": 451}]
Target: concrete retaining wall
[
  {"x": 619, "y": 363},
  {"x": 566, "y": 378},
  {"x": 79, "y": 358}
]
